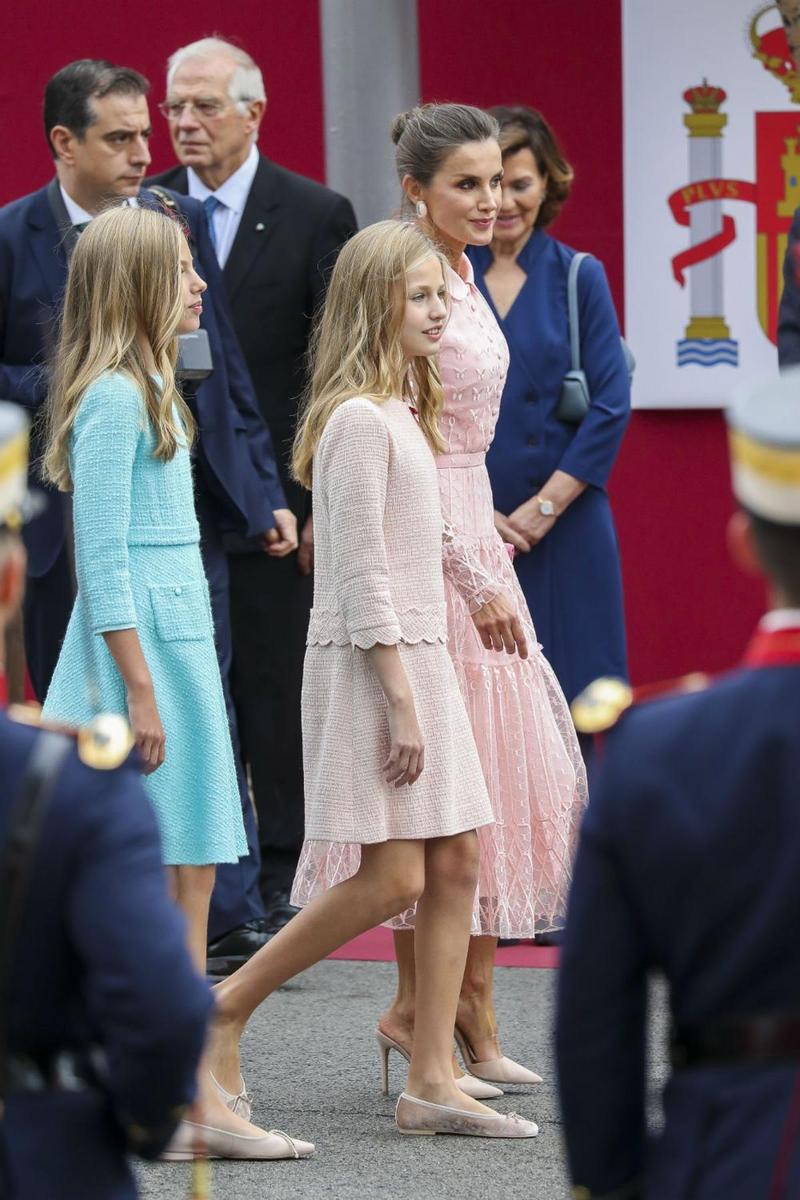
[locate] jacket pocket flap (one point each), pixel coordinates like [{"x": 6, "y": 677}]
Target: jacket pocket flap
[{"x": 181, "y": 612}]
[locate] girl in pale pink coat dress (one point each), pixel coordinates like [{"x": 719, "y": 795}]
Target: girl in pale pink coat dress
[{"x": 390, "y": 761}]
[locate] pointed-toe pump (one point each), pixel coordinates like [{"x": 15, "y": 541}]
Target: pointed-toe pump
[
  {"x": 494, "y": 1070},
  {"x": 470, "y": 1086}
]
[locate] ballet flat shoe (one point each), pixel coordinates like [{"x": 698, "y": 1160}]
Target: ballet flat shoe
[
  {"x": 470, "y": 1086},
  {"x": 421, "y": 1117},
  {"x": 237, "y": 1102},
  {"x": 494, "y": 1070},
  {"x": 218, "y": 1143}
]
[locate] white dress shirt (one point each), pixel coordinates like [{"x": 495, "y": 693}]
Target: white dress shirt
[
  {"x": 78, "y": 215},
  {"x": 232, "y": 195}
]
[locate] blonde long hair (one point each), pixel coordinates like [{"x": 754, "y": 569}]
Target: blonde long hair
[
  {"x": 124, "y": 277},
  {"x": 355, "y": 348}
]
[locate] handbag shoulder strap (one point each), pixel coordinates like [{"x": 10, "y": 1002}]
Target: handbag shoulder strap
[{"x": 572, "y": 309}]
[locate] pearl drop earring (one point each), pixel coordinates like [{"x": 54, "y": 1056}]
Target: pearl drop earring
[{"x": 422, "y": 209}]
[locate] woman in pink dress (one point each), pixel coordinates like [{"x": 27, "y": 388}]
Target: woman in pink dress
[{"x": 450, "y": 166}]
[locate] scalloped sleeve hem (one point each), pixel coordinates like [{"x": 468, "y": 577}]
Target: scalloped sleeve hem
[{"x": 426, "y": 624}]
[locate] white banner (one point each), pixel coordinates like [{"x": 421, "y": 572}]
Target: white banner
[{"x": 712, "y": 180}]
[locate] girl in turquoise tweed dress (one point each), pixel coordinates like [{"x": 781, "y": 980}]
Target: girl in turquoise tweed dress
[{"x": 140, "y": 641}]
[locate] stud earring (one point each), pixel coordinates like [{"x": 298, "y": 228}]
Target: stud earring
[{"x": 421, "y": 209}]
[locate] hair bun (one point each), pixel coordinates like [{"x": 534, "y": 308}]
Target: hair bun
[{"x": 400, "y": 124}]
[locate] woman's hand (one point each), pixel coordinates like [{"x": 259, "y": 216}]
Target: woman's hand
[
  {"x": 146, "y": 727},
  {"x": 407, "y": 745},
  {"x": 528, "y": 522},
  {"x": 509, "y": 534},
  {"x": 499, "y": 627}
]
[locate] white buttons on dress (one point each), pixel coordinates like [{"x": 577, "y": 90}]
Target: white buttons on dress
[{"x": 178, "y": 591}]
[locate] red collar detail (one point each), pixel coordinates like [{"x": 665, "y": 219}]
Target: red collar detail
[
  {"x": 3, "y": 691},
  {"x": 780, "y": 648}
]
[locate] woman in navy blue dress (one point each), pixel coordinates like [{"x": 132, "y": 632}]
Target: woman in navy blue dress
[{"x": 548, "y": 477}]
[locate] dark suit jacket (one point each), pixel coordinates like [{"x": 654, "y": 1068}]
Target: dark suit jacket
[
  {"x": 687, "y": 866},
  {"x": 99, "y": 961},
  {"x": 234, "y": 447},
  {"x": 789, "y": 310},
  {"x": 290, "y": 233}
]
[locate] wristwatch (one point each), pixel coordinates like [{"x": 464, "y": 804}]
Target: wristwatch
[{"x": 546, "y": 507}]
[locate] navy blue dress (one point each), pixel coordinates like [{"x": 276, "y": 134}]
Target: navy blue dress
[{"x": 571, "y": 579}]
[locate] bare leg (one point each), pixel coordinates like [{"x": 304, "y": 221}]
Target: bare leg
[
  {"x": 390, "y": 879},
  {"x": 397, "y": 1022},
  {"x": 441, "y": 940},
  {"x": 192, "y": 888},
  {"x": 476, "y": 1016}
]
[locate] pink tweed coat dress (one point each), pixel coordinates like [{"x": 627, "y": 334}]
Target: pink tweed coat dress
[{"x": 378, "y": 579}]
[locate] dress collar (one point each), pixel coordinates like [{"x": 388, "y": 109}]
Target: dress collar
[
  {"x": 482, "y": 256},
  {"x": 460, "y": 280}
]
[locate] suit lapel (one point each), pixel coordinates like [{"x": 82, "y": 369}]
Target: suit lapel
[
  {"x": 255, "y": 228},
  {"x": 52, "y": 236}
]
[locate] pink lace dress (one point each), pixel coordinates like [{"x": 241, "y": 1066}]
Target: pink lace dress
[{"x": 526, "y": 742}]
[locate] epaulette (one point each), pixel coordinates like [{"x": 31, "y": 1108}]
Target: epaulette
[
  {"x": 165, "y": 197},
  {"x": 103, "y": 744},
  {"x": 600, "y": 705}
]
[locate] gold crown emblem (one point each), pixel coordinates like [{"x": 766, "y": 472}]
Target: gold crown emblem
[
  {"x": 771, "y": 49},
  {"x": 704, "y": 98}
]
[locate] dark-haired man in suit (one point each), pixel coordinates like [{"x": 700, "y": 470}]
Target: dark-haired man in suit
[
  {"x": 276, "y": 236},
  {"x": 98, "y": 128}
]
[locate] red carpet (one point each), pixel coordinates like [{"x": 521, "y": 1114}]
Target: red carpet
[{"x": 376, "y": 946}]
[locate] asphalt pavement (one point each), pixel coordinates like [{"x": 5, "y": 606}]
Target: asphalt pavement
[{"x": 312, "y": 1067}]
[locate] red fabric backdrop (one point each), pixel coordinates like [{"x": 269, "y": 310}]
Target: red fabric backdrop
[
  {"x": 283, "y": 35},
  {"x": 686, "y": 607}
]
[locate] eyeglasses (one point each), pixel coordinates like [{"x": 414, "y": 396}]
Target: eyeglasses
[{"x": 206, "y": 110}]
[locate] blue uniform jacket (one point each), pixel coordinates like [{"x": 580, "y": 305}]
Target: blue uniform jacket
[
  {"x": 689, "y": 866},
  {"x": 234, "y": 450},
  {"x": 100, "y": 961},
  {"x": 571, "y": 580}
]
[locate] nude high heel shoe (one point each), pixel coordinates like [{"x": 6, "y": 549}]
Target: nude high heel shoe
[
  {"x": 415, "y": 1116},
  {"x": 469, "y": 1086},
  {"x": 237, "y": 1102},
  {"x": 496, "y": 1070},
  {"x": 219, "y": 1143}
]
